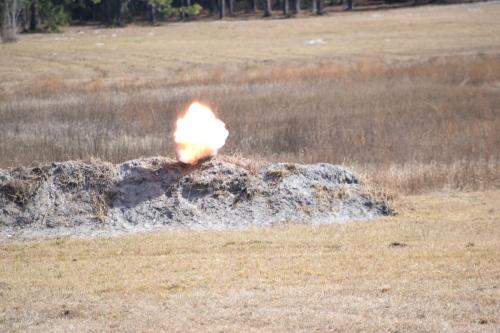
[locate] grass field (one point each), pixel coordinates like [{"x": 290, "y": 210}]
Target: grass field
[
  {"x": 187, "y": 50},
  {"x": 408, "y": 98},
  {"x": 433, "y": 268}
]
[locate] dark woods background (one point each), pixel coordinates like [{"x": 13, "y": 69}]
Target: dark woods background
[{"x": 49, "y": 15}]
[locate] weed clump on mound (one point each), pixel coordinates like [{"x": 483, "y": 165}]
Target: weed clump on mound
[{"x": 23, "y": 185}]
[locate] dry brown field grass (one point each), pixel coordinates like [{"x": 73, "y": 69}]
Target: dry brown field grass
[
  {"x": 412, "y": 128},
  {"x": 433, "y": 268},
  {"x": 408, "y": 97}
]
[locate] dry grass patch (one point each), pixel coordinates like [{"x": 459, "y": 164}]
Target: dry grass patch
[
  {"x": 412, "y": 106},
  {"x": 404, "y": 131},
  {"x": 432, "y": 268}
]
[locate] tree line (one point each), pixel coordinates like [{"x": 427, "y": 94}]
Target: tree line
[{"x": 49, "y": 15}]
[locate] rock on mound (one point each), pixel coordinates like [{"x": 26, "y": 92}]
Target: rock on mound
[{"x": 100, "y": 198}]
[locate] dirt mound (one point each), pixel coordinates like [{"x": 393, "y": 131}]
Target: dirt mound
[{"x": 96, "y": 198}]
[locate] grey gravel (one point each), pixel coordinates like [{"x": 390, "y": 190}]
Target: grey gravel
[{"x": 97, "y": 198}]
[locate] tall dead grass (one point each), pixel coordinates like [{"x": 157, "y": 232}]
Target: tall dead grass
[{"x": 408, "y": 127}]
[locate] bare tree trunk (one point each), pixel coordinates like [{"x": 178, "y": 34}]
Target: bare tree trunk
[
  {"x": 320, "y": 7},
  {"x": 231, "y": 7},
  {"x": 122, "y": 12},
  {"x": 267, "y": 9},
  {"x": 109, "y": 12},
  {"x": 34, "y": 17},
  {"x": 254, "y": 6},
  {"x": 314, "y": 8},
  {"x": 24, "y": 19},
  {"x": 152, "y": 14},
  {"x": 296, "y": 8},
  {"x": 81, "y": 4},
  {"x": 222, "y": 9},
  {"x": 9, "y": 21},
  {"x": 182, "y": 13},
  {"x": 286, "y": 8},
  {"x": 188, "y": 4},
  {"x": 213, "y": 7}
]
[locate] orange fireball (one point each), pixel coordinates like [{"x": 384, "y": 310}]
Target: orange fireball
[{"x": 199, "y": 134}]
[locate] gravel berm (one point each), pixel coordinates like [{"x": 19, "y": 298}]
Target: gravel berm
[{"x": 98, "y": 198}]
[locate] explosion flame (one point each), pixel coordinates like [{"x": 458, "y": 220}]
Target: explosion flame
[{"x": 199, "y": 134}]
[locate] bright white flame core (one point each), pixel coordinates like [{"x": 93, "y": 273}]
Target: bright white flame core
[{"x": 199, "y": 134}]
